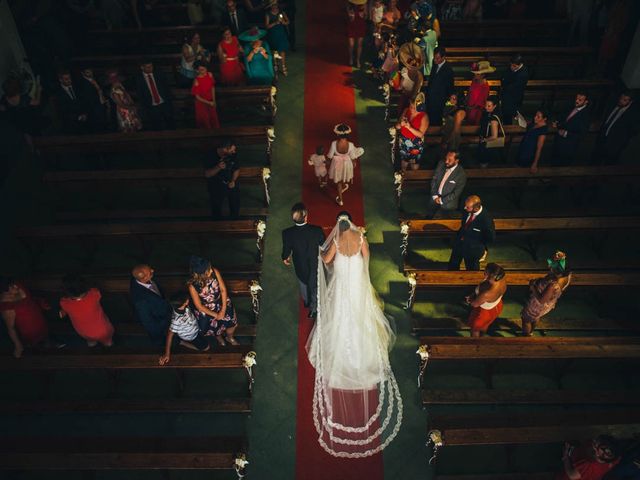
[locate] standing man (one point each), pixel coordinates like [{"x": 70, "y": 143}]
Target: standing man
[
  {"x": 620, "y": 125},
  {"x": 155, "y": 95},
  {"x": 513, "y": 84},
  {"x": 151, "y": 308},
  {"x": 476, "y": 232},
  {"x": 570, "y": 132},
  {"x": 71, "y": 107},
  {"x": 486, "y": 299},
  {"x": 440, "y": 86},
  {"x": 447, "y": 184},
  {"x": 235, "y": 19},
  {"x": 222, "y": 171},
  {"x": 96, "y": 101},
  {"x": 300, "y": 243}
]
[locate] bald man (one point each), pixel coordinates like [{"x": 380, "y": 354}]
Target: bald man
[
  {"x": 476, "y": 232},
  {"x": 151, "y": 308}
]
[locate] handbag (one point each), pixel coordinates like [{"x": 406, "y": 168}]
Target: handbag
[{"x": 497, "y": 142}]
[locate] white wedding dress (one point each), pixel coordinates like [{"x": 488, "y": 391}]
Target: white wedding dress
[{"x": 357, "y": 407}]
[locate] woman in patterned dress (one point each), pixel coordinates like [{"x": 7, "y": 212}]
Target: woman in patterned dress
[
  {"x": 126, "y": 111},
  {"x": 216, "y": 315}
]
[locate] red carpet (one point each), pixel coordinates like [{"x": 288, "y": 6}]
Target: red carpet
[{"x": 329, "y": 99}]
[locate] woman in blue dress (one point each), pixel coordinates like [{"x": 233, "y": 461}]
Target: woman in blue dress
[
  {"x": 533, "y": 141},
  {"x": 258, "y": 60},
  {"x": 276, "y": 22}
]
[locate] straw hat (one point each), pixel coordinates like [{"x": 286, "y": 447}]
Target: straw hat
[
  {"x": 483, "y": 66},
  {"x": 411, "y": 55}
]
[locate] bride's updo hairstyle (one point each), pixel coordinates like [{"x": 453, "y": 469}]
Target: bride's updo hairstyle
[{"x": 344, "y": 221}]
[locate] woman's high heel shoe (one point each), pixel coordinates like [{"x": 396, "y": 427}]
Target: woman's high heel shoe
[{"x": 339, "y": 202}]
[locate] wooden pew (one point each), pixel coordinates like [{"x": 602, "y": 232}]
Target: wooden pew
[
  {"x": 528, "y": 397},
  {"x": 119, "y": 453},
  {"x": 143, "y": 231},
  {"x": 130, "y": 329},
  {"x": 500, "y": 476},
  {"x": 58, "y": 148},
  {"x": 149, "y": 38},
  {"x": 252, "y": 175},
  {"x": 520, "y": 177},
  {"x": 422, "y": 279}
]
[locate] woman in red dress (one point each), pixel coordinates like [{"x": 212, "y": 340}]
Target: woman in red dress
[
  {"x": 478, "y": 91},
  {"x": 356, "y": 28},
  {"x": 204, "y": 91},
  {"x": 22, "y": 316},
  {"x": 229, "y": 50},
  {"x": 82, "y": 305}
]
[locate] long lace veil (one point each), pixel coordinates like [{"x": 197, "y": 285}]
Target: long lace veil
[{"x": 357, "y": 409}]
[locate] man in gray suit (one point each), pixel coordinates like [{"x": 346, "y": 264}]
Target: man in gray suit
[{"x": 447, "y": 184}]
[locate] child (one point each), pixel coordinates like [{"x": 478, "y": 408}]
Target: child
[
  {"x": 319, "y": 162},
  {"x": 185, "y": 325}
]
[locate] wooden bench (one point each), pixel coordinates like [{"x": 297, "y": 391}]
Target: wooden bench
[
  {"x": 143, "y": 232},
  {"x": 58, "y": 148},
  {"x": 446, "y": 227},
  {"x": 119, "y": 453},
  {"x": 520, "y": 177},
  {"x": 528, "y": 397},
  {"x": 501, "y": 476},
  {"x": 422, "y": 279},
  {"x": 131, "y": 329},
  {"x": 149, "y": 38},
  {"x": 252, "y": 175}
]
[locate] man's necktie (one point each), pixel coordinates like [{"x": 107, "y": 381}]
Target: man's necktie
[{"x": 154, "y": 90}]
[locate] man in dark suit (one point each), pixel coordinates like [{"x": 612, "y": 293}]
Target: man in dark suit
[
  {"x": 300, "y": 243},
  {"x": 513, "y": 84},
  {"x": 95, "y": 99},
  {"x": 71, "y": 106},
  {"x": 476, "y": 232},
  {"x": 620, "y": 124},
  {"x": 235, "y": 19},
  {"x": 155, "y": 96},
  {"x": 447, "y": 184},
  {"x": 440, "y": 86},
  {"x": 151, "y": 308},
  {"x": 570, "y": 131}
]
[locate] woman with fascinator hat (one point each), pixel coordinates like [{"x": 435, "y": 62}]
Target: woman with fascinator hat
[
  {"x": 357, "y": 408},
  {"x": 342, "y": 154},
  {"x": 545, "y": 292}
]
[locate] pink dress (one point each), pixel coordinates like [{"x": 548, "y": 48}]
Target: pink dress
[
  {"x": 341, "y": 169},
  {"x": 478, "y": 94}
]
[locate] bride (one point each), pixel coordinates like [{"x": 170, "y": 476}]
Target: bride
[{"x": 357, "y": 409}]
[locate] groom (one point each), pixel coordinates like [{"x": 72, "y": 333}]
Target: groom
[{"x": 301, "y": 243}]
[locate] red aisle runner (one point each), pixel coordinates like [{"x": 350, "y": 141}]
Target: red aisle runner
[{"x": 329, "y": 99}]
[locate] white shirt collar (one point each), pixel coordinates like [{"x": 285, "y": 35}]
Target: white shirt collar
[
  {"x": 146, "y": 285},
  {"x": 301, "y": 224},
  {"x": 450, "y": 170},
  {"x": 475, "y": 214},
  {"x": 519, "y": 68}
]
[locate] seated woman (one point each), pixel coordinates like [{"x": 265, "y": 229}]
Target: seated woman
[
  {"x": 229, "y": 51},
  {"x": 126, "y": 111},
  {"x": 258, "y": 61},
  {"x": 192, "y": 52},
  {"x": 82, "y": 305},
  {"x": 23, "y": 316},
  {"x": 216, "y": 315},
  {"x": 204, "y": 92},
  {"x": 412, "y": 128},
  {"x": 452, "y": 118},
  {"x": 533, "y": 141}
]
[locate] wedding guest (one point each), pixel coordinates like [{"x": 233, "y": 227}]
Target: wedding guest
[
  {"x": 356, "y": 29},
  {"x": 126, "y": 111},
  {"x": 155, "y": 95},
  {"x": 621, "y": 124},
  {"x": 571, "y": 131},
  {"x": 392, "y": 14},
  {"x": 23, "y": 316},
  {"x": 96, "y": 101},
  {"x": 221, "y": 171},
  {"x": 512, "y": 87},
  {"x": 300, "y": 244},
  {"x": 532, "y": 142},
  {"x": 82, "y": 305},
  {"x": 447, "y": 184},
  {"x": 472, "y": 10},
  {"x": 545, "y": 292},
  {"x": 276, "y": 23},
  {"x": 214, "y": 310},
  {"x": 486, "y": 300},
  {"x": 71, "y": 107},
  {"x": 229, "y": 51},
  {"x": 204, "y": 91},
  {"x": 319, "y": 162},
  {"x": 412, "y": 59},
  {"x": 478, "y": 91},
  {"x": 440, "y": 86},
  {"x": 234, "y": 18},
  {"x": 491, "y": 142},
  {"x": 591, "y": 460},
  {"x": 185, "y": 325},
  {"x": 151, "y": 308},
  {"x": 20, "y": 108},
  {"x": 192, "y": 52},
  {"x": 342, "y": 155},
  {"x": 476, "y": 232},
  {"x": 259, "y": 64},
  {"x": 453, "y": 116},
  {"x": 429, "y": 42},
  {"x": 412, "y": 129}
]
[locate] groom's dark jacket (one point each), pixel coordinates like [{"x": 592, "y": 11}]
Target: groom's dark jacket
[{"x": 302, "y": 242}]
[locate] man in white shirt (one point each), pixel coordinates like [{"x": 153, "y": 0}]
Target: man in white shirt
[{"x": 447, "y": 184}]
